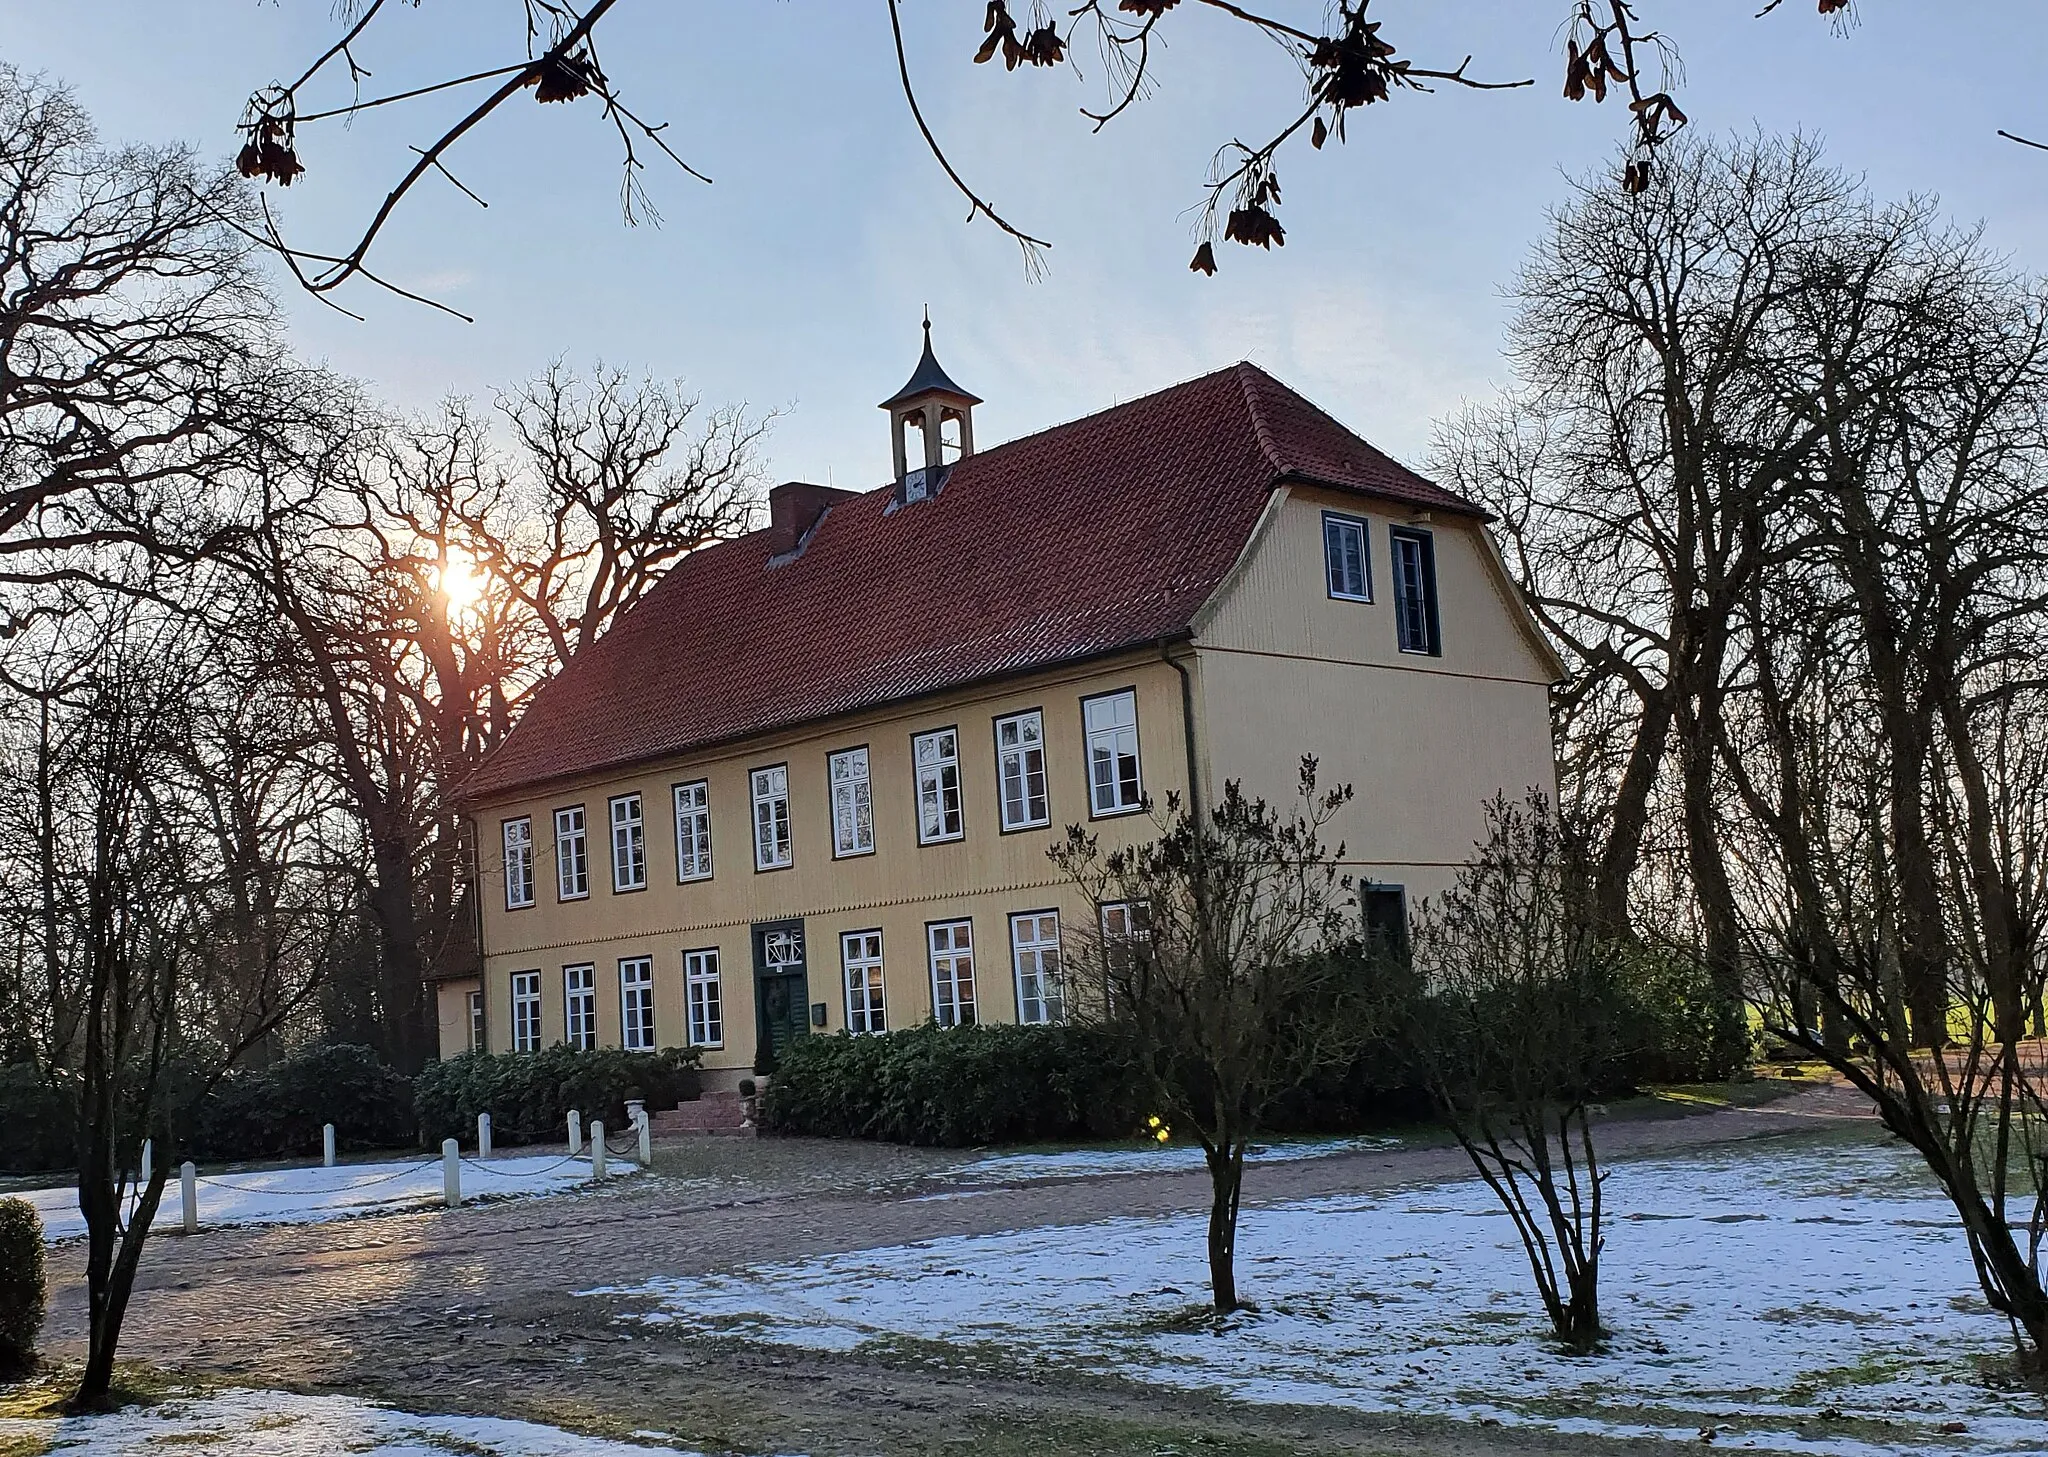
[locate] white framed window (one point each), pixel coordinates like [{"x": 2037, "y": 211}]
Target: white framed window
[
  {"x": 518, "y": 863},
  {"x": 706, "y": 1004},
  {"x": 1346, "y": 568},
  {"x": 860, "y": 952},
  {"x": 526, "y": 1011},
  {"x": 693, "y": 830},
  {"x": 853, "y": 805},
  {"x": 629, "y": 844},
  {"x": 1111, "y": 723},
  {"x": 579, "y": 1007},
  {"x": 479, "y": 1038},
  {"x": 772, "y": 848},
  {"x": 952, "y": 952},
  {"x": 1020, "y": 770},
  {"x": 636, "y": 1003},
  {"x": 572, "y": 854},
  {"x": 937, "y": 758},
  {"x": 1035, "y": 953},
  {"x": 1125, "y": 925},
  {"x": 1415, "y": 619}
]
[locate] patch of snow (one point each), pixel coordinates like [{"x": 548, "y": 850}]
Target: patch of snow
[
  {"x": 1808, "y": 1298},
  {"x": 279, "y": 1424},
  {"x": 1080, "y": 1163},
  {"x": 311, "y": 1195}
]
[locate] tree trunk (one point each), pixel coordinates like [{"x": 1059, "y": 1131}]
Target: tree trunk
[
  {"x": 1226, "y": 1181},
  {"x": 1630, "y": 818}
]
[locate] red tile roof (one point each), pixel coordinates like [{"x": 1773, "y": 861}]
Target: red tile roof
[{"x": 1100, "y": 534}]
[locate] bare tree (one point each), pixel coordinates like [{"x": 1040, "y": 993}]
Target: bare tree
[
  {"x": 1346, "y": 53},
  {"x": 1522, "y": 1019},
  {"x": 1233, "y": 971}
]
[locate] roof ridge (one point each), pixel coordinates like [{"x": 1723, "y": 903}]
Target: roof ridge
[{"x": 1245, "y": 370}]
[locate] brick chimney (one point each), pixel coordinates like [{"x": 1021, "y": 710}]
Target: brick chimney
[{"x": 793, "y": 509}]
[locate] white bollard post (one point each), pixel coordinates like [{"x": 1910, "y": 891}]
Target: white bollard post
[
  {"x": 188, "y": 1191},
  {"x": 483, "y": 1135},
  {"x": 575, "y": 1132},
  {"x": 451, "y": 1173},
  {"x": 597, "y": 1150},
  {"x": 327, "y": 1144},
  {"x": 148, "y": 1154},
  {"x": 646, "y": 1140}
]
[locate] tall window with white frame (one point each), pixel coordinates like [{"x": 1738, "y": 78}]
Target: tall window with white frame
[
  {"x": 526, "y": 1011},
  {"x": 1114, "y": 783},
  {"x": 479, "y": 1038},
  {"x": 1347, "y": 569},
  {"x": 1126, "y": 927},
  {"x": 861, "y": 954},
  {"x": 518, "y": 863},
  {"x": 853, "y": 806},
  {"x": 1415, "y": 616},
  {"x": 937, "y": 758},
  {"x": 629, "y": 844},
  {"x": 572, "y": 854},
  {"x": 952, "y": 953},
  {"x": 693, "y": 830},
  {"x": 1035, "y": 951},
  {"x": 636, "y": 1003},
  {"x": 579, "y": 1007},
  {"x": 1020, "y": 770},
  {"x": 706, "y": 1003},
  {"x": 773, "y": 849}
]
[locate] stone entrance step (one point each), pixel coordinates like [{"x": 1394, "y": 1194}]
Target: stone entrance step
[{"x": 714, "y": 1113}]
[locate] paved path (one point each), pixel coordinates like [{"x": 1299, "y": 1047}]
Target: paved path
[{"x": 467, "y": 1309}]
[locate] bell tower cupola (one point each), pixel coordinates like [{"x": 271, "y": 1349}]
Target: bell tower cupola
[{"x": 931, "y": 425}]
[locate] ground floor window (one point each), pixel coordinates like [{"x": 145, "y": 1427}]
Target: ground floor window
[
  {"x": 526, "y": 1011},
  {"x": 952, "y": 950},
  {"x": 861, "y": 952},
  {"x": 579, "y": 1007},
  {"x": 1035, "y": 951},
  {"x": 636, "y": 1004},
  {"x": 707, "y": 1007},
  {"x": 478, "y": 1035}
]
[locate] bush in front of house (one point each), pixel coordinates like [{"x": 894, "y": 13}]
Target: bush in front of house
[
  {"x": 529, "y": 1095},
  {"x": 1680, "y": 1027},
  {"x": 22, "y": 1288},
  {"x": 38, "y": 1116},
  {"x": 954, "y": 1087},
  {"x": 277, "y": 1110}
]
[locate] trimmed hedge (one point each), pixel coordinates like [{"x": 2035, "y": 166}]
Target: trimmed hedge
[
  {"x": 954, "y": 1087},
  {"x": 38, "y": 1119},
  {"x": 22, "y": 1287},
  {"x": 529, "y": 1094},
  {"x": 277, "y": 1111}
]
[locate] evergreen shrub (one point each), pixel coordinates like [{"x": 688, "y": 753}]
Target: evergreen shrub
[
  {"x": 529, "y": 1095},
  {"x": 22, "y": 1287},
  {"x": 276, "y": 1111}
]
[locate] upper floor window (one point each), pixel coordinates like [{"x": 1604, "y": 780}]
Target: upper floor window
[
  {"x": 629, "y": 844},
  {"x": 579, "y": 1007},
  {"x": 707, "y": 1006},
  {"x": 772, "y": 848},
  {"x": 1035, "y": 952},
  {"x": 518, "y": 863},
  {"x": 572, "y": 854},
  {"x": 1345, "y": 564},
  {"x": 1020, "y": 770},
  {"x": 636, "y": 1003},
  {"x": 526, "y": 1011},
  {"x": 1112, "y": 726},
  {"x": 693, "y": 831},
  {"x": 937, "y": 757},
  {"x": 861, "y": 954},
  {"x": 952, "y": 950},
  {"x": 1415, "y": 620},
  {"x": 853, "y": 807}
]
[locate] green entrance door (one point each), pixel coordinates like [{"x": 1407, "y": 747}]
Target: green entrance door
[{"x": 782, "y": 1002}]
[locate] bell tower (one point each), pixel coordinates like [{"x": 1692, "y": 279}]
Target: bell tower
[{"x": 931, "y": 425}]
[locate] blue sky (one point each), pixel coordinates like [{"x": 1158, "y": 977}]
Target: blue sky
[{"x": 794, "y": 282}]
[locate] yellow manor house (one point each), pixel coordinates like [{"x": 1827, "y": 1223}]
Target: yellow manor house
[{"x": 809, "y": 782}]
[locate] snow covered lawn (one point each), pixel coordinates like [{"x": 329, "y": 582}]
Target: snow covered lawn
[
  {"x": 277, "y": 1424},
  {"x": 1798, "y": 1297},
  {"x": 309, "y": 1195},
  {"x": 1081, "y": 1163}
]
